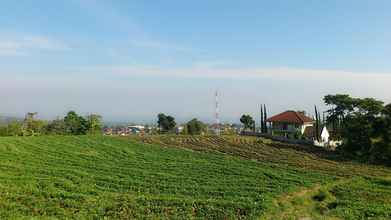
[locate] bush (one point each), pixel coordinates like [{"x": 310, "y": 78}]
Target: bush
[
  {"x": 195, "y": 127},
  {"x": 320, "y": 196}
]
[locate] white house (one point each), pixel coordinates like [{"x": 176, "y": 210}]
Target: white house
[
  {"x": 179, "y": 129},
  {"x": 139, "y": 127},
  {"x": 290, "y": 122}
]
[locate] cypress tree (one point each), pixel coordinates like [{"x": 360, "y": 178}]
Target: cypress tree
[
  {"x": 319, "y": 126},
  {"x": 264, "y": 118},
  {"x": 262, "y": 123},
  {"x": 316, "y": 124}
]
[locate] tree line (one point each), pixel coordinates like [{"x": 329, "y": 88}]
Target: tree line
[
  {"x": 71, "y": 124},
  {"x": 249, "y": 123},
  {"x": 167, "y": 124},
  {"x": 364, "y": 125}
]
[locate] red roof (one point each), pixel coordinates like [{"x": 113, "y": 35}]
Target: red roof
[{"x": 290, "y": 117}]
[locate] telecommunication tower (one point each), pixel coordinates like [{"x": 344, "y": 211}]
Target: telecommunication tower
[{"x": 217, "y": 113}]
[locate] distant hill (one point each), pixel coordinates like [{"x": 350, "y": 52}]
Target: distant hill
[{"x": 8, "y": 119}]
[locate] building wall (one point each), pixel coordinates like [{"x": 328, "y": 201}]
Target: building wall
[
  {"x": 289, "y": 127},
  {"x": 285, "y": 128},
  {"x": 305, "y": 125}
]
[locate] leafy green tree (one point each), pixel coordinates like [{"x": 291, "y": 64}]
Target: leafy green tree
[
  {"x": 14, "y": 128},
  {"x": 3, "y": 131},
  {"x": 357, "y": 135},
  {"x": 381, "y": 151},
  {"x": 364, "y": 125},
  {"x": 248, "y": 122},
  {"x": 166, "y": 123},
  {"x": 369, "y": 107},
  {"x": 75, "y": 124},
  {"x": 360, "y": 126},
  {"x": 32, "y": 126},
  {"x": 56, "y": 127},
  {"x": 341, "y": 105},
  {"x": 94, "y": 123},
  {"x": 39, "y": 127},
  {"x": 195, "y": 127}
]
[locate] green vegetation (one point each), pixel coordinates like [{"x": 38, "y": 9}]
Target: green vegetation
[
  {"x": 180, "y": 177},
  {"x": 94, "y": 124},
  {"x": 248, "y": 122},
  {"x": 75, "y": 124},
  {"x": 321, "y": 200},
  {"x": 363, "y": 124},
  {"x": 166, "y": 123},
  {"x": 71, "y": 124},
  {"x": 318, "y": 125},
  {"x": 367, "y": 198},
  {"x": 263, "y": 119},
  {"x": 195, "y": 127}
]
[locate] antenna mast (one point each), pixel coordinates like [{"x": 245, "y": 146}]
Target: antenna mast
[{"x": 217, "y": 111}]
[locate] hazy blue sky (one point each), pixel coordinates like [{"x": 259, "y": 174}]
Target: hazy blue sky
[{"x": 129, "y": 60}]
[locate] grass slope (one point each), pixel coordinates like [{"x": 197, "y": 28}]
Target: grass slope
[
  {"x": 358, "y": 191},
  {"x": 86, "y": 177},
  {"x": 181, "y": 177}
]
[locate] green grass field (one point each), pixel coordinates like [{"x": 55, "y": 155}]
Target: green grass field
[{"x": 182, "y": 177}]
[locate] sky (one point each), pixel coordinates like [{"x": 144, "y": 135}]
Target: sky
[{"x": 130, "y": 60}]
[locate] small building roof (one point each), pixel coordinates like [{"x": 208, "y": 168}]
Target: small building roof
[{"x": 291, "y": 117}]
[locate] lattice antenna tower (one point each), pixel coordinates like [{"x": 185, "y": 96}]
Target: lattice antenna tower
[{"x": 217, "y": 113}]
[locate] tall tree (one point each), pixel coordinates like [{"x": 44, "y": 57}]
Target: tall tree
[
  {"x": 264, "y": 118},
  {"x": 31, "y": 126},
  {"x": 166, "y": 123},
  {"x": 320, "y": 126},
  {"x": 365, "y": 126},
  {"x": 27, "y": 128},
  {"x": 317, "y": 131},
  {"x": 94, "y": 124},
  {"x": 247, "y": 121},
  {"x": 369, "y": 107},
  {"x": 341, "y": 106},
  {"x": 195, "y": 127},
  {"x": 56, "y": 127},
  {"x": 75, "y": 124},
  {"x": 12, "y": 128},
  {"x": 381, "y": 152}
]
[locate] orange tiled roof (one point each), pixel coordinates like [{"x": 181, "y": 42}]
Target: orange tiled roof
[{"x": 290, "y": 117}]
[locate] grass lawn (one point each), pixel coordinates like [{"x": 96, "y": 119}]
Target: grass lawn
[{"x": 87, "y": 177}]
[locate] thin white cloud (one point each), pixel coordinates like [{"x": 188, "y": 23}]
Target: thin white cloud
[
  {"x": 237, "y": 73},
  {"x": 189, "y": 91},
  {"x": 24, "y": 44},
  {"x": 158, "y": 45},
  {"x": 317, "y": 82},
  {"x": 44, "y": 43},
  {"x": 287, "y": 80}
]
